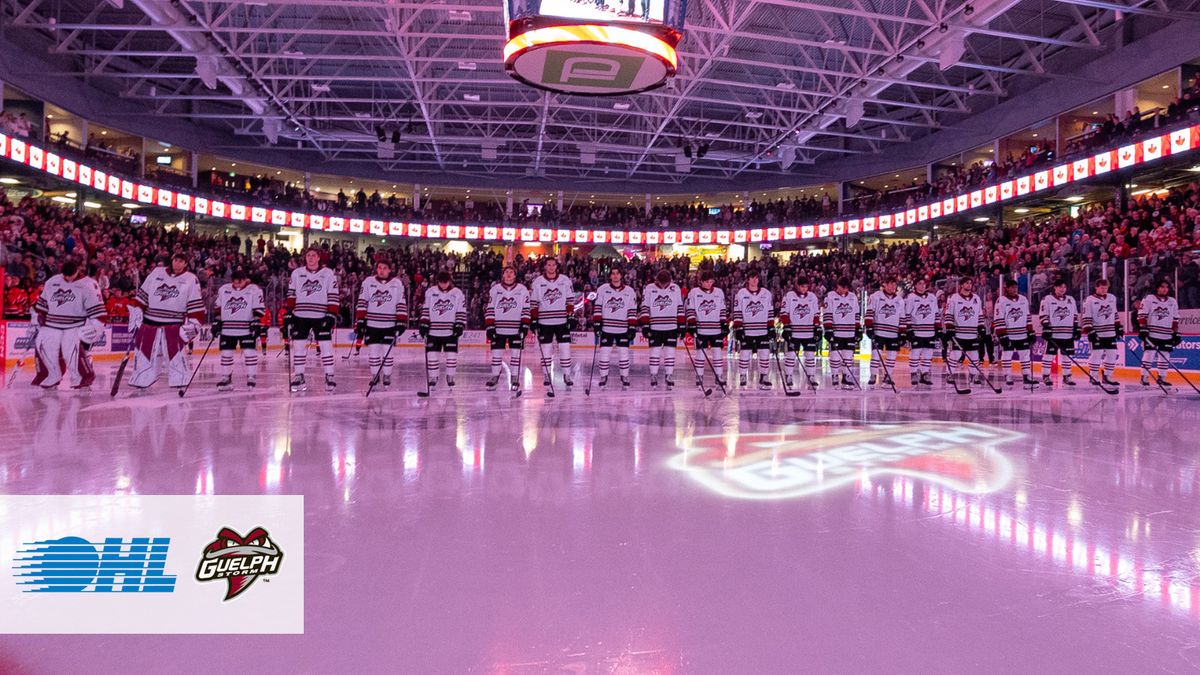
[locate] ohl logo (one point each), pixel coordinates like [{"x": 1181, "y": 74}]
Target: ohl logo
[
  {"x": 239, "y": 560},
  {"x": 62, "y": 296},
  {"x": 803, "y": 460},
  {"x": 166, "y": 291}
]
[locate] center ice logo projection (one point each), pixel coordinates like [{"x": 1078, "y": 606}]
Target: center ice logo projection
[{"x": 807, "y": 459}]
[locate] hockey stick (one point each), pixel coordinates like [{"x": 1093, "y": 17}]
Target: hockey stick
[
  {"x": 425, "y": 375},
  {"x": 1180, "y": 373},
  {"x": 883, "y": 364},
  {"x": 587, "y": 391},
  {"x": 700, "y": 382},
  {"x": 520, "y": 388},
  {"x": 198, "y": 364},
  {"x": 787, "y": 389},
  {"x": 978, "y": 370},
  {"x": 1110, "y": 392},
  {"x": 379, "y": 372},
  {"x": 121, "y": 369},
  {"x": 713, "y": 369},
  {"x": 803, "y": 368},
  {"x": 953, "y": 376}
]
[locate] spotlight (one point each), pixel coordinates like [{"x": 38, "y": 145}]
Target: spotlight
[
  {"x": 920, "y": 44},
  {"x": 942, "y": 28},
  {"x": 702, "y": 150},
  {"x": 968, "y": 10},
  {"x": 687, "y": 150},
  {"x": 381, "y": 134},
  {"x": 395, "y": 136}
]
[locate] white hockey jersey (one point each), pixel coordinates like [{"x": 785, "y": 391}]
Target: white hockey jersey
[
  {"x": 382, "y": 303},
  {"x": 885, "y": 313},
  {"x": 964, "y": 316},
  {"x": 507, "y": 309},
  {"x": 551, "y": 302},
  {"x": 313, "y": 295},
  {"x": 1100, "y": 315},
  {"x": 662, "y": 307},
  {"x": 707, "y": 310},
  {"x": 615, "y": 309},
  {"x": 841, "y": 314},
  {"x": 921, "y": 315},
  {"x": 443, "y": 309},
  {"x": 1058, "y": 315},
  {"x": 1012, "y": 319},
  {"x": 802, "y": 313},
  {"x": 68, "y": 304},
  {"x": 166, "y": 298},
  {"x": 1160, "y": 316},
  {"x": 753, "y": 312},
  {"x": 238, "y": 310}
]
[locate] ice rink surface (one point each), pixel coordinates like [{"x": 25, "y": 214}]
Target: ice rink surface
[{"x": 646, "y": 531}]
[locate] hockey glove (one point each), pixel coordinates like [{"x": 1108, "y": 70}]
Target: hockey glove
[
  {"x": 1144, "y": 335},
  {"x": 571, "y": 324},
  {"x": 523, "y": 332},
  {"x": 1175, "y": 339},
  {"x": 787, "y": 334},
  {"x": 491, "y": 334},
  {"x": 1075, "y": 333},
  {"x": 458, "y": 330},
  {"x": 1120, "y": 330},
  {"x": 1093, "y": 338},
  {"x": 423, "y": 330},
  {"x": 598, "y": 327},
  {"x": 328, "y": 323},
  {"x": 360, "y": 328},
  {"x": 724, "y": 330},
  {"x": 645, "y": 332},
  {"x": 982, "y": 333},
  {"x": 135, "y": 318},
  {"x": 1005, "y": 343},
  {"x": 739, "y": 335},
  {"x": 216, "y": 328}
]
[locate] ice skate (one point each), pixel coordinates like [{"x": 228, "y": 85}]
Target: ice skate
[
  {"x": 603, "y": 383},
  {"x": 653, "y": 381},
  {"x": 1145, "y": 380},
  {"x": 812, "y": 383},
  {"x": 872, "y": 380},
  {"x": 624, "y": 381},
  {"x": 888, "y": 380},
  {"x": 567, "y": 380},
  {"x": 927, "y": 379},
  {"x": 914, "y": 379},
  {"x": 251, "y": 383},
  {"x": 763, "y": 382},
  {"x": 1068, "y": 380},
  {"x": 514, "y": 385},
  {"x": 1163, "y": 381},
  {"x": 1046, "y": 381},
  {"x": 700, "y": 382},
  {"x": 297, "y": 383},
  {"x": 669, "y": 381},
  {"x": 1109, "y": 381},
  {"x": 449, "y": 381},
  {"x": 742, "y": 381},
  {"x": 1029, "y": 381},
  {"x": 330, "y": 385},
  {"x": 787, "y": 379},
  {"x": 226, "y": 383},
  {"x": 491, "y": 383},
  {"x": 387, "y": 381},
  {"x": 546, "y": 379},
  {"x": 1008, "y": 380}
]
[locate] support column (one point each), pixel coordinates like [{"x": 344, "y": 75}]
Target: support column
[
  {"x": 1124, "y": 100},
  {"x": 648, "y": 206},
  {"x": 841, "y": 197},
  {"x": 416, "y": 200},
  {"x": 558, "y": 205},
  {"x": 142, "y": 159},
  {"x": 195, "y": 167},
  {"x": 508, "y": 203}
]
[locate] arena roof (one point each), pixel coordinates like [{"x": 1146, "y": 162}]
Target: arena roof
[{"x": 765, "y": 87}]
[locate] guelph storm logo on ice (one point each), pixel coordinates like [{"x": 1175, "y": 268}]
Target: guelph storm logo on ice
[
  {"x": 806, "y": 459},
  {"x": 239, "y": 560}
]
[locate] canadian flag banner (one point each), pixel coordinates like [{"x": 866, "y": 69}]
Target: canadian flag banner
[
  {"x": 789, "y": 233},
  {"x": 184, "y": 202},
  {"x": 991, "y": 194},
  {"x": 839, "y": 227},
  {"x": 1006, "y": 189},
  {"x": 200, "y": 205},
  {"x": 1152, "y": 148},
  {"x": 899, "y": 219},
  {"x": 451, "y": 231},
  {"x": 961, "y": 203},
  {"x": 298, "y": 219},
  {"x": 1127, "y": 156},
  {"x": 1181, "y": 141},
  {"x": 910, "y": 216},
  {"x": 527, "y": 234},
  {"x": 545, "y": 235},
  {"x": 166, "y": 198},
  {"x": 259, "y": 215},
  {"x": 582, "y": 236},
  {"x": 687, "y": 237},
  {"x": 395, "y": 229},
  {"x": 1103, "y": 162},
  {"x": 854, "y": 226},
  {"x": 868, "y": 224},
  {"x": 472, "y": 232},
  {"x": 37, "y": 159},
  {"x": 600, "y": 236},
  {"x": 337, "y": 225},
  {"x": 413, "y": 229},
  {"x": 670, "y": 237},
  {"x": 1061, "y": 174},
  {"x": 70, "y": 169},
  {"x": 114, "y": 188},
  {"x": 85, "y": 176},
  {"x": 377, "y": 227},
  {"x": 976, "y": 198},
  {"x": 562, "y": 236},
  {"x": 739, "y": 236},
  {"x": 99, "y": 180},
  {"x": 1024, "y": 185},
  {"x": 316, "y": 222},
  {"x": 773, "y": 233},
  {"x": 808, "y": 232},
  {"x": 491, "y": 233},
  {"x": 127, "y": 190},
  {"x": 756, "y": 235},
  {"x": 617, "y": 237},
  {"x": 357, "y": 225},
  {"x": 53, "y": 164},
  {"x": 823, "y": 230},
  {"x": 1081, "y": 168},
  {"x": 885, "y": 222},
  {"x": 652, "y": 238},
  {"x": 145, "y": 193},
  {"x": 706, "y": 236},
  {"x": 935, "y": 210},
  {"x": 3, "y": 145},
  {"x": 1041, "y": 180},
  {"x": 433, "y": 231},
  {"x": 722, "y": 237},
  {"x": 237, "y": 211},
  {"x": 635, "y": 237},
  {"x": 16, "y": 150}
]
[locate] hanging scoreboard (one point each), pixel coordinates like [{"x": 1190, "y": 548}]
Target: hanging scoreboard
[{"x": 593, "y": 47}]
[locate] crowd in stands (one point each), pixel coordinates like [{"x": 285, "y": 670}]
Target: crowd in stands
[
  {"x": 1159, "y": 233},
  {"x": 15, "y": 124}
]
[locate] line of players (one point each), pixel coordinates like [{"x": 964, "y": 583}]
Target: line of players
[{"x": 167, "y": 311}]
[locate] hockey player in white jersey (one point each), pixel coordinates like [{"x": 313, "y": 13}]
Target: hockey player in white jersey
[
  {"x": 313, "y": 301},
  {"x": 708, "y": 321},
  {"x": 661, "y": 317},
  {"x": 922, "y": 325},
  {"x": 753, "y": 314},
  {"x": 885, "y": 313},
  {"x": 552, "y": 305},
  {"x": 237, "y": 318},
  {"x": 443, "y": 319},
  {"x": 800, "y": 317},
  {"x": 1060, "y": 330},
  {"x": 1158, "y": 328},
  {"x": 165, "y": 315},
  {"x": 614, "y": 318},
  {"x": 506, "y": 319},
  {"x": 1013, "y": 325},
  {"x": 69, "y": 316},
  {"x": 965, "y": 323},
  {"x": 842, "y": 331},
  {"x": 380, "y": 316},
  {"x": 1101, "y": 323}
]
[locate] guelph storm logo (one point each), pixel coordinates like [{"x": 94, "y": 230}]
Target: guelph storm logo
[
  {"x": 62, "y": 296},
  {"x": 506, "y": 304},
  {"x": 381, "y": 297},
  {"x": 166, "y": 292},
  {"x": 551, "y": 296},
  {"x": 235, "y": 304},
  {"x": 310, "y": 286},
  {"x": 239, "y": 560},
  {"x": 662, "y": 302}
]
